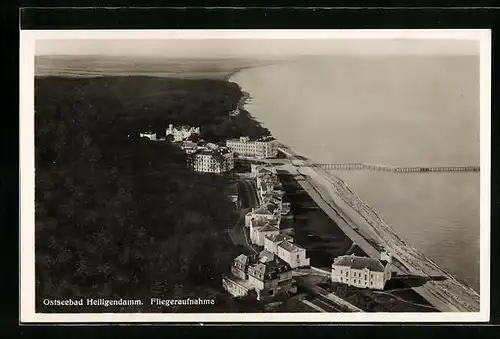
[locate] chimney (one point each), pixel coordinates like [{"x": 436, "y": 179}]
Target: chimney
[{"x": 386, "y": 256}]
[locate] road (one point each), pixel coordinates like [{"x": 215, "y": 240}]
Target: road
[
  {"x": 361, "y": 223},
  {"x": 248, "y": 196},
  {"x": 247, "y": 189}
]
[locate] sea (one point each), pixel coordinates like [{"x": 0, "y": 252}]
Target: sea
[{"x": 391, "y": 110}]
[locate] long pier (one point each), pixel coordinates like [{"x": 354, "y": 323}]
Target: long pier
[{"x": 388, "y": 168}]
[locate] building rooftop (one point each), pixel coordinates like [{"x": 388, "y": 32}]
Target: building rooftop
[
  {"x": 188, "y": 144},
  {"x": 279, "y": 238},
  {"x": 181, "y": 126},
  {"x": 248, "y": 139},
  {"x": 266, "y": 256},
  {"x": 267, "y": 209},
  {"x": 360, "y": 263},
  {"x": 263, "y": 170},
  {"x": 243, "y": 259},
  {"x": 288, "y": 246},
  {"x": 269, "y": 228},
  {"x": 270, "y": 269},
  {"x": 217, "y": 151},
  {"x": 257, "y": 222}
]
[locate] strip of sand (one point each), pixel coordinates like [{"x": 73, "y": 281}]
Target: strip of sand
[{"x": 365, "y": 227}]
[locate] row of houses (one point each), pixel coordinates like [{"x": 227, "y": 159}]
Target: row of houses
[
  {"x": 266, "y": 221},
  {"x": 211, "y": 158},
  {"x": 260, "y": 148},
  {"x": 268, "y": 273}
]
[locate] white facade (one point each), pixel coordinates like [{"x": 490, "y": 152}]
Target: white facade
[
  {"x": 253, "y": 149},
  {"x": 149, "y": 135},
  {"x": 181, "y": 133},
  {"x": 270, "y": 278},
  {"x": 259, "y": 233},
  {"x": 263, "y": 214},
  {"x": 236, "y": 287},
  {"x": 212, "y": 161},
  {"x": 362, "y": 272},
  {"x": 271, "y": 242},
  {"x": 292, "y": 254}
]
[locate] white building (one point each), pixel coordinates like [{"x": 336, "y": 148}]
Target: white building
[
  {"x": 268, "y": 212},
  {"x": 259, "y": 149},
  {"x": 149, "y": 135},
  {"x": 283, "y": 246},
  {"x": 262, "y": 169},
  {"x": 267, "y": 276},
  {"x": 182, "y": 132},
  {"x": 362, "y": 272},
  {"x": 237, "y": 283},
  {"x": 271, "y": 242},
  {"x": 259, "y": 230},
  {"x": 212, "y": 160},
  {"x": 293, "y": 254},
  {"x": 235, "y": 286}
]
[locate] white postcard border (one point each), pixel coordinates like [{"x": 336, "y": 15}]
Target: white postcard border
[{"x": 27, "y": 180}]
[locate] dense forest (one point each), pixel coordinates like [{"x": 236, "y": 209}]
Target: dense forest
[{"x": 118, "y": 216}]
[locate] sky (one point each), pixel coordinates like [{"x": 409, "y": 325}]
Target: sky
[{"x": 203, "y": 48}]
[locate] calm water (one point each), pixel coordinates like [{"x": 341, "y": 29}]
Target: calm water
[{"x": 396, "y": 111}]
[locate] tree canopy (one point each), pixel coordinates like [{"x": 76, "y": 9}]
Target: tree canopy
[{"x": 119, "y": 216}]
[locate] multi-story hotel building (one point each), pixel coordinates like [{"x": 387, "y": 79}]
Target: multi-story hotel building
[
  {"x": 362, "y": 272},
  {"x": 207, "y": 160},
  {"x": 259, "y": 149}
]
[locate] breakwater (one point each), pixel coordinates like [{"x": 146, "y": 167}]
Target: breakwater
[{"x": 388, "y": 168}]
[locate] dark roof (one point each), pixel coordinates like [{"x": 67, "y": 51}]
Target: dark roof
[
  {"x": 259, "y": 222},
  {"x": 269, "y": 228},
  {"x": 270, "y": 269},
  {"x": 279, "y": 238},
  {"x": 221, "y": 150},
  {"x": 243, "y": 259},
  {"x": 264, "y": 170},
  {"x": 266, "y": 209},
  {"x": 188, "y": 144},
  {"x": 266, "y": 256},
  {"x": 360, "y": 263},
  {"x": 288, "y": 246}
]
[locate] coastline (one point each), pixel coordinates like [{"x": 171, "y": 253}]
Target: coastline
[
  {"x": 446, "y": 295},
  {"x": 450, "y": 294}
]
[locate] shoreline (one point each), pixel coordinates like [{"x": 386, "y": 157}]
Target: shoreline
[
  {"x": 445, "y": 295},
  {"x": 408, "y": 259}
]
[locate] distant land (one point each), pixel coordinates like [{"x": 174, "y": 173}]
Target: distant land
[{"x": 186, "y": 68}]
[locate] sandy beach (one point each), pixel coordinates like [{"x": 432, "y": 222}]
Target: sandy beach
[{"x": 363, "y": 225}]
